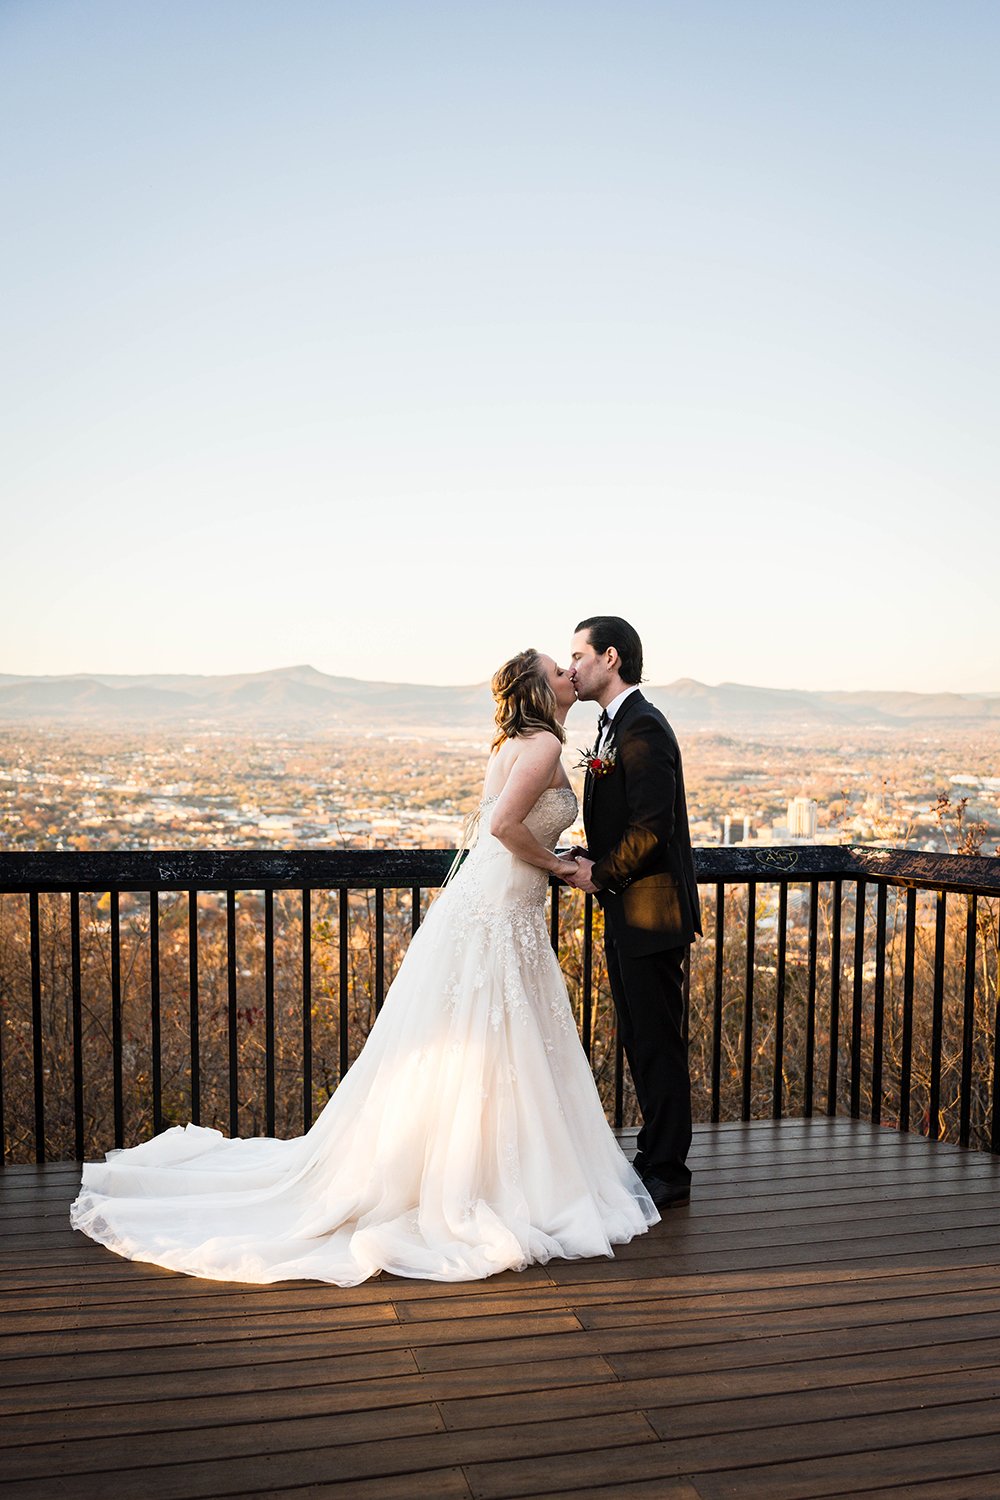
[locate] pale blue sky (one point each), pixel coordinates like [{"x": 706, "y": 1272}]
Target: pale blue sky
[{"x": 393, "y": 337}]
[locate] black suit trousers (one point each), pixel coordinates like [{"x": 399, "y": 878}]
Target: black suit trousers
[{"x": 649, "y": 998}]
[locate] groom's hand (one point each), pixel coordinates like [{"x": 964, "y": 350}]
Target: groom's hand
[{"x": 583, "y": 879}]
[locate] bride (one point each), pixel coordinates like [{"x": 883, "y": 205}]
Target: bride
[{"x": 468, "y": 1137}]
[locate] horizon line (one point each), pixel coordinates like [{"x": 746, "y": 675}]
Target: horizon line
[{"x": 95, "y": 674}]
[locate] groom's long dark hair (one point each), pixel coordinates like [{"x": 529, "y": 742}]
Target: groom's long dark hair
[{"x": 612, "y": 630}]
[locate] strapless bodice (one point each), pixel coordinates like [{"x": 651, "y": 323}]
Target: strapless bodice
[{"x": 555, "y": 810}]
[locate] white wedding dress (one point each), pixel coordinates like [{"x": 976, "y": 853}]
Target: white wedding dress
[{"x": 468, "y": 1137}]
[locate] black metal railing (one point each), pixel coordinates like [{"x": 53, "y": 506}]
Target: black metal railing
[{"x": 847, "y": 979}]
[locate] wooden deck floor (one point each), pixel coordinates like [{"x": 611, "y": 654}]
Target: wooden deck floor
[{"x": 823, "y": 1320}]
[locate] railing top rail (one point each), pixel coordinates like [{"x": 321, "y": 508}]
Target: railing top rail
[
  {"x": 972, "y": 874},
  {"x": 319, "y": 869}
]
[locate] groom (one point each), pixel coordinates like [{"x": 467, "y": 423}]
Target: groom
[{"x": 639, "y": 864}]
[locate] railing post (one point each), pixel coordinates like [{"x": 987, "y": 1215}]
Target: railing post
[
  {"x": 751, "y": 937},
  {"x": 832, "y": 1079},
  {"x": 74, "y": 945},
  {"x": 379, "y": 948},
  {"x": 858, "y": 998},
  {"x": 232, "y": 1014},
  {"x": 155, "y": 1038},
  {"x": 37, "y": 1058},
  {"x": 307, "y": 1040},
  {"x": 720, "y": 935},
  {"x": 937, "y": 1020},
  {"x": 779, "y": 1004},
  {"x": 3, "y": 1114},
  {"x": 878, "y": 1015},
  {"x": 995, "y": 1101},
  {"x": 968, "y": 1022},
  {"x": 811, "y": 997},
  {"x": 116, "y": 1019},
  {"x": 193, "y": 1007},
  {"x": 269, "y": 1011},
  {"x": 344, "y": 976},
  {"x": 909, "y": 959}
]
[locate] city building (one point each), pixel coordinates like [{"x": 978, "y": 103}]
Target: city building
[{"x": 802, "y": 815}]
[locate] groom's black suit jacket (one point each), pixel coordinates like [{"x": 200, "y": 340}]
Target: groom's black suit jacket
[{"x": 637, "y": 834}]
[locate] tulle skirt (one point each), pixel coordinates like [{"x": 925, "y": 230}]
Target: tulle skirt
[{"x": 468, "y": 1138}]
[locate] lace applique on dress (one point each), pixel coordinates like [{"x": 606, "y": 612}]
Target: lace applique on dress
[{"x": 497, "y": 903}]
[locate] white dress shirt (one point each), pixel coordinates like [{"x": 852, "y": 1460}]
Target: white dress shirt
[{"x": 611, "y": 710}]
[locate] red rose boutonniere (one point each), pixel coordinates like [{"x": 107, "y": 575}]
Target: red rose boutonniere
[{"x": 597, "y": 765}]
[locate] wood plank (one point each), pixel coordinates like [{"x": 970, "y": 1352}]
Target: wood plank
[
  {"x": 186, "y": 1300},
  {"x": 893, "y": 1188},
  {"x": 106, "y": 1270},
  {"x": 901, "y": 1467},
  {"x": 968, "y": 1487},
  {"x": 255, "y": 1432},
  {"x": 754, "y": 1461},
  {"x": 137, "y": 1351},
  {"x": 212, "y": 1318},
  {"x": 743, "y": 1293},
  {"x": 781, "y": 1320},
  {"x": 756, "y": 1174},
  {"x": 429, "y": 1484},
  {"x": 728, "y": 1407},
  {"x": 838, "y": 1404},
  {"x": 172, "y": 1477},
  {"x": 672, "y": 1250},
  {"x": 938, "y": 1248},
  {"x": 199, "y": 1398},
  {"x": 644, "y": 1351},
  {"x": 146, "y": 1330},
  {"x": 723, "y": 1394},
  {"x": 640, "y": 1489},
  {"x": 197, "y": 1377}
]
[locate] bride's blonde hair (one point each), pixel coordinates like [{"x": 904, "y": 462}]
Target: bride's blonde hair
[{"x": 524, "y": 698}]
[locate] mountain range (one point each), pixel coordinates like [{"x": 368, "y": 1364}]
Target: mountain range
[{"x": 303, "y": 698}]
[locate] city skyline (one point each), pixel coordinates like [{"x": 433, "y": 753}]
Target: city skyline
[{"x": 395, "y": 340}]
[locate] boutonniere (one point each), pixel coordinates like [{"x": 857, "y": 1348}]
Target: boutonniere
[{"x": 597, "y": 765}]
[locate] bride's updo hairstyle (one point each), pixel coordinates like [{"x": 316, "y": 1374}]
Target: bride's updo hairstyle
[{"x": 525, "y": 700}]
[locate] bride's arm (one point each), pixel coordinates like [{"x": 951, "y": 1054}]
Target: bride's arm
[{"x": 529, "y": 776}]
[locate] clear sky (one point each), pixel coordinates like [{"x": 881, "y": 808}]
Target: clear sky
[{"x": 393, "y": 337}]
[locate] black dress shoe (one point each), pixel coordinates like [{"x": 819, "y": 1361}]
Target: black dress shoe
[{"x": 666, "y": 1194}]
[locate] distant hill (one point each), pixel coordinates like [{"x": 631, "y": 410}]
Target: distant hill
[
  {"x": 289, "y": 696},
  {"x": 697, "y": 705},
  {"x": 303, "y": 698}
]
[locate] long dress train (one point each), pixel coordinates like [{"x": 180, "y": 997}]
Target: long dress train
[{"x": 467, "y": 1138}]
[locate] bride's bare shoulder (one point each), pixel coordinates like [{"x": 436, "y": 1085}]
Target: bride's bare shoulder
[{"x": 538, "y": 739}]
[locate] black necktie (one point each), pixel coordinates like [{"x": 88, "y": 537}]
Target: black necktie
[{"x": 602, "y": 722}]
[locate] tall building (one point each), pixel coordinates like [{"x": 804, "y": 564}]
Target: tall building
[
  {"x": 802, "y": 818},
  {"x": 735, "y": 828}
]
